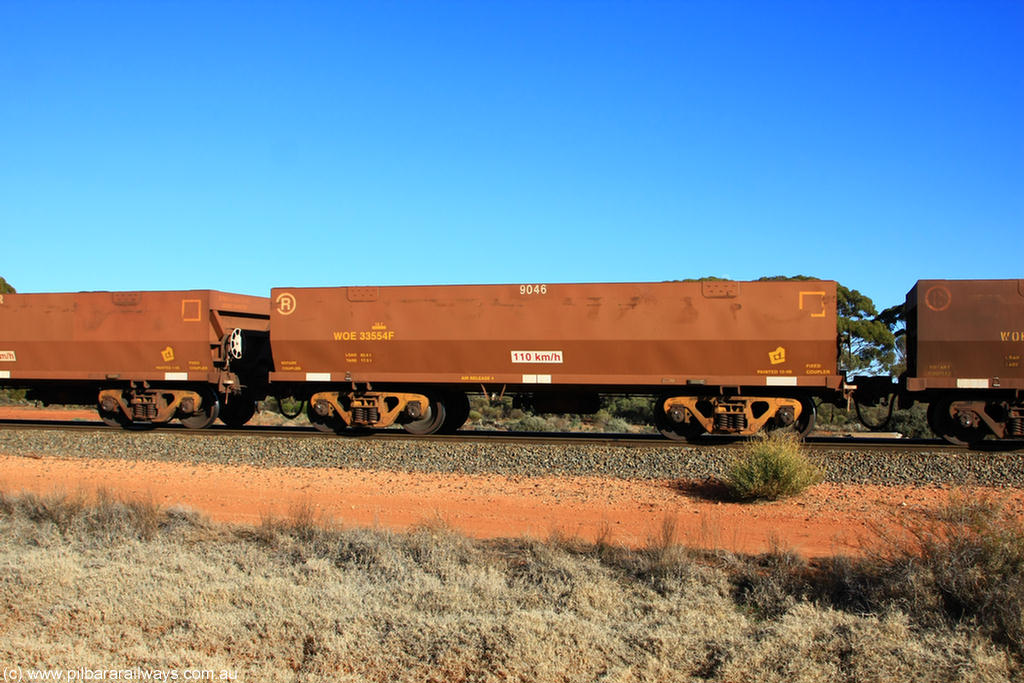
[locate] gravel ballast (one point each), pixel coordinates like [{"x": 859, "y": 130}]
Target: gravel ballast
[{"x": 854, "y": 463}]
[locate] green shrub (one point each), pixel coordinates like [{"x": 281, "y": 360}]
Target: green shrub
[
  {"x": 617, "y": 425},
  {"x": 289, "y": 405},
  {"x": 771, "y": 467},
  {"x": 13, "y": 397},
  {"x": 632, "y": 409},
  {"x": 912, "y": 423},
  {"x": 532, "y": 423}
]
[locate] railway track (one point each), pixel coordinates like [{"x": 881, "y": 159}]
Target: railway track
[
  {"x": 871, "y": 460},
  {"x": 815, "y": 443}
]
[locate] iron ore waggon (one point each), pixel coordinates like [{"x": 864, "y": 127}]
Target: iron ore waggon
[
  {"x": 143, "y": 358},
  {"x": 719, "y": 356},
  {"x": 966, "y": 341}
]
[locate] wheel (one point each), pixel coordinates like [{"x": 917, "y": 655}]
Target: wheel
[
  {"x": 237, "y": 411},
  {"x": 456, "y": 408},
  {"x": 330, "y": 424},
  {"x": 808, "y": 416},
  {"x": 432, "y": 421},
  {"x": 113, "y": 418},
  {"x": 677, "y": 431},
  {"x": 944, "y": 425},
  {"x": 207, "y": 413},
  {"x": 116, "y": 418},
  {"x": 935, "y": 421}
]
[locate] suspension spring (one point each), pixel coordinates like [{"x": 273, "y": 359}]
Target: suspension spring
[
  {"x": 365, "y": 415},
  {"x": 730, "y": 422},
  {"x": 1015, "y": 426},
  {"x": 144, "y": 411}
]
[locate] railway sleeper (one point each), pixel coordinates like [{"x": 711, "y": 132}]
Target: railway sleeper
[
  {"x": 735, "y": 415},
  {"x": 375, "y": 409}
]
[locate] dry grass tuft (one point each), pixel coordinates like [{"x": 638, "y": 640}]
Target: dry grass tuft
[
  {"x": 57, "y": 508},
  {"x": 770, "y": 467},
  {"x": 965, "y": 562}
]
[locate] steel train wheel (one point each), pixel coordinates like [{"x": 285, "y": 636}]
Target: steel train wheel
[
  {"x": 237, "y": 411},
  {"x": 432, "y": 421},
  {"x": 677, "y": 431},
  {"x": 330, "y": 424},
  {"x": 113, "y": 419},
  {"x": 943, "y": 424},
  {"x": 118, "y": 419},
  {"x": 808, "y": 416},
  {"x": 456, "y": 409},
  {"x": 207, "y": 413}
]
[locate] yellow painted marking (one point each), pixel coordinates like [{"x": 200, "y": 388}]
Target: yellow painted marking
[
  {"x": 167, "y": 354},
  {"x": 821, "y": 302},
  {"x": 364, "y": 335},
  {"x": 777, "y": 356},
  {"x": 285, "y": 303}
]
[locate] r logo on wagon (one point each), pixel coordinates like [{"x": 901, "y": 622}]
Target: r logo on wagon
[{"x": 285, "y": 303}]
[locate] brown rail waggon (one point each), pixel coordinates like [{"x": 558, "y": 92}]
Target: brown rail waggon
[
  {"x": 719, "y": 356},
  {"x": 967, "y": 341},
  {"x": 142, "y": 358}
]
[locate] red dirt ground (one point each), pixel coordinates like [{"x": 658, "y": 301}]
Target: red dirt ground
[{"x": 828, "y": 519}]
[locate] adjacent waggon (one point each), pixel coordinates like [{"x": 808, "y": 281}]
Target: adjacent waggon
[
  {"x": 967, "y": 338},
  {"x": 143, "y": 358},
  {"x": 717, "y": 357}
]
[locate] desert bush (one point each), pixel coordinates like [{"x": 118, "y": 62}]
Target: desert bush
[
  {"x": 605, "y": 421},
  {"x": 829, "y": 417},
  {"x": 770, "y": 467},
  {"x": 59, "y": 508},
  {"x": 965, "y": 562},
  {"x": 13, "y": 397},
  {"x": 632, "y": 409},
  {"x": 287, "y": 405},
  {"x": 533, "y": 423},
  {"x": 961, "y": 567},
  {"x": 912, "y": 423},
  {"x": 771, "y": 584}
]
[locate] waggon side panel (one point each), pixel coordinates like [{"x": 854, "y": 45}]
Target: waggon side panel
[
  {"x": 969, "y": 334},
  {"x": 652, "y": 334},
  {"x": 151, "y": 336}
]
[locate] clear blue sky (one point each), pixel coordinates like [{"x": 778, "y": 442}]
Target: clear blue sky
[{"x": 245, "y": 145}]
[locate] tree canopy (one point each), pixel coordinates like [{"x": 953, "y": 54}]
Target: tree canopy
[{"x": 5, "y": 288}]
